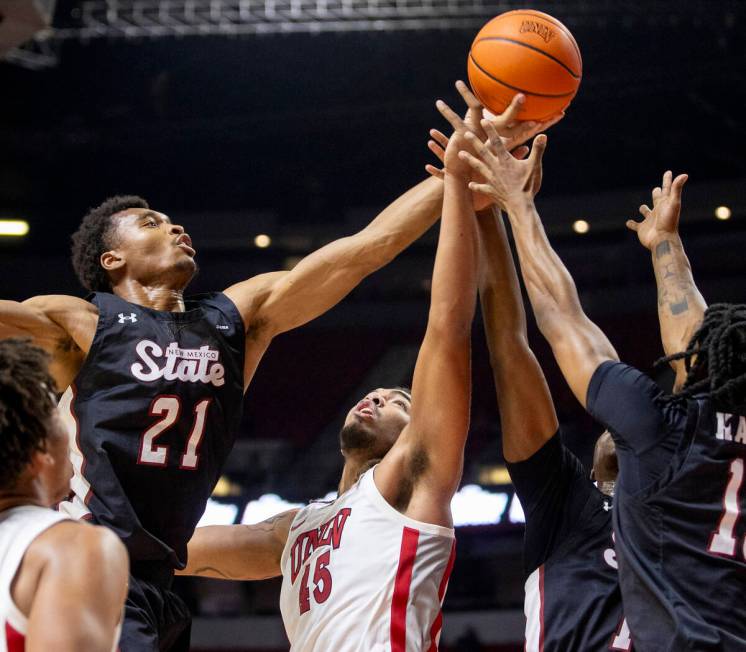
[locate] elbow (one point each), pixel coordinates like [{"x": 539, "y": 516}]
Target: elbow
[{"x": 451, "y": 321}]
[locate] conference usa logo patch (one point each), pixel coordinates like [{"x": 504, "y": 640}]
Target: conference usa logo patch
[{"x": 200, "y": 365}]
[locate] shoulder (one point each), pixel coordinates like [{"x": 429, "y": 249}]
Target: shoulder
[
  {"x": 92, "y": 546},
  {"x": 52, "y": 304}
]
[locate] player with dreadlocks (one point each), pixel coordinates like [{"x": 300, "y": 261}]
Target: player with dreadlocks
[
  {"x": 62, "y": 582},
  {"x": 678, "y": 524}
]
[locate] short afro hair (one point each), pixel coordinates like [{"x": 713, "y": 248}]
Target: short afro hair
[
  {"x": 93, "y": 238},
  {"x": 26, "y": 405}
]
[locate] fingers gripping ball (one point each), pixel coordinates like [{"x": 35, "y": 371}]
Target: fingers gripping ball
[{"x": 529, "y": 52}]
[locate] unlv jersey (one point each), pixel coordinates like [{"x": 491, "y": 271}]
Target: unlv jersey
[
  {"x": 19, "y": 527},
  {"x": 680, "y": 518},
  {"x": 357, "y": 575},
  {"x": 153, "y": 414},
  {"x": 573, "y": 602}
]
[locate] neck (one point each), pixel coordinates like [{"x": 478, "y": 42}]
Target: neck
[
  {"x": 155, "y": 297},
  {"x": 11, "y": 499},
  {"x": 606, "y": 487},
  {"x": 350, "y": 474}
]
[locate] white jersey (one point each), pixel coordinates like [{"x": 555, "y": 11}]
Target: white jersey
[
  {"x": 19, "y": 527},
  {"x": 358, "y": 576}
]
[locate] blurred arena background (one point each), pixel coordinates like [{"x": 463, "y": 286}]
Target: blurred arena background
[{"x": 269, "y": 127}]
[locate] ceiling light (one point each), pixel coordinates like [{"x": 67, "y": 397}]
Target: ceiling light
[
  {"x": 262, "y": 241},
  {"x": 13, "y": 228},
  {"x": 723, "y": 213},
  {"x": 581, "y": 226}
]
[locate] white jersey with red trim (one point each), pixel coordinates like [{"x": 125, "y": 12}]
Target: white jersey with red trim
[
  {"x": 19, "y": 527},
  {"x": 359, "y": 576}
]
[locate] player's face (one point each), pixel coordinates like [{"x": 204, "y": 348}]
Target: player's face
[
  {"x": 376, "y": 422},
  {"x": 153, "y": 250},
  {"x": 55, "y": 469}
]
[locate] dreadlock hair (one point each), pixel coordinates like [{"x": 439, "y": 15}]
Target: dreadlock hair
[
  {"x": 715, "y": 358},
  {"x": 26, "y": 404},
  {"x": 94, "y": 237}
]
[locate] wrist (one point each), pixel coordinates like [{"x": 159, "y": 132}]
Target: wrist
[
  {"x": 459, "y": 176},
  {"x": 519, "y": 204},
  {"x": 670, "y": 237}
]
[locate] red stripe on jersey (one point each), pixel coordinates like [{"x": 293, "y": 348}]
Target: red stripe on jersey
[
  {"x": 435, "y": 629},
  {"x": 541, "y": 608},
  {"x": 14, "y": 641},
  {"x": 409, "y": 540}
]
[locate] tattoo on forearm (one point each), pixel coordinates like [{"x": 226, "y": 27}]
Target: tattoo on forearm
[
  {"x": 209, "y": 570},
  {"x": 675, "y": 284},
  {"x": 662, "y": 249}
]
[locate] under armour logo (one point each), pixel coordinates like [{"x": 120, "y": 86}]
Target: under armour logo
[
  {"x": 132, "y": 317},
  {"x": 607, "y": 507}
]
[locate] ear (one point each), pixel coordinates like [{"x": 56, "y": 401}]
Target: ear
[
  {"x": 112, "y": 260},
  {"x": 40, "y": 461},
  {"x": 593, "y": 475}
]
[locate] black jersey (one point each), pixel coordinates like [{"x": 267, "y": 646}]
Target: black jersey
[
  {"x": 680, "y": 516},
  {"x": 573, "y": 601},
  {"x": 155, "y": 410}
]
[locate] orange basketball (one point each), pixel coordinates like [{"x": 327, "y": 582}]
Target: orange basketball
[{"x": 529, "y": 52}]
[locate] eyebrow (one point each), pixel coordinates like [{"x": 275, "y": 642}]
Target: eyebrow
[{"x": 404, "y": 394}]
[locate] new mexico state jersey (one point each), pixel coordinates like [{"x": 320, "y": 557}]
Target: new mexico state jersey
[
  {"x": 359, "y": 576},
  {"x": 153, "y": 414}
]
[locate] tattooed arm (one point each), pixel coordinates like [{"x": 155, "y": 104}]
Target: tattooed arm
[
  {"x": 239, "y": 552},
  {"x": 680, "y": 304}
]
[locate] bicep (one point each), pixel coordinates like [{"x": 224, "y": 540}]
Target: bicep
[
  {"x": 579, "y": 348},
  {"x": 441, "y": 394},
  {"x": 526, "y": 409},
  {"x": 28, "y": 319},
  {"x": 627, "y": 402}
]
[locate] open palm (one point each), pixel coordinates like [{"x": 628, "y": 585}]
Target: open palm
[{"x": 663, "y": 219}]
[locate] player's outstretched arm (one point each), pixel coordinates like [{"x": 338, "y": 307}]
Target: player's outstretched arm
[
  {"x": 63, "y": 326},
  {"x": 527, "y": 413},
  {"x": 681, "y": 307},
  {"x": 281, "y": 301},
  {"x": 578, "y": 344},
  {"x": 239, "y": 552},
  {"x": 80, "y": 595},
  {"x": 422, "y": 471}
]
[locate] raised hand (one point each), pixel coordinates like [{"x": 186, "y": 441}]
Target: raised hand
[
  {"x": 513, "y": 132},
  {"x": 506, "y": 180},
  {"x": 663, "y": 219}
]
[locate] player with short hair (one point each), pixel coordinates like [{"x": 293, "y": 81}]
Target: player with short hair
[
  {"x": 156, "y": 381},
  {"x": 678, "y": 519},
  {"x": 62, "y": 582},
  {"x": 369, "y": 570},
  {"x": 573, "y": 601}
]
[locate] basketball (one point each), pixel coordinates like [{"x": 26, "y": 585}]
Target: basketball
[{"x": 529, "y": 52}]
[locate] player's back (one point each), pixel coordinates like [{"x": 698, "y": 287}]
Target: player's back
[
  {"x": 682, "y": 542},
  {"x": 153, "y": 414},
  {"x": 19, "y": 527},
  {"x": 360, "y": 576}
]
